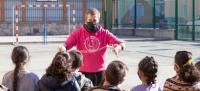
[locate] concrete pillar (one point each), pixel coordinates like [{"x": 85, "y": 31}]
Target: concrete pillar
[
  {"x": 84, "y": 8},
  {"x": 108, "y": 14},
  {"x": 2, "y": 10},
  {"x": 23, "y": 11},
  {"x": 103, "y": 14},
  {"x": 43, "y": 12},
  {"x": 64, "y": 2}
]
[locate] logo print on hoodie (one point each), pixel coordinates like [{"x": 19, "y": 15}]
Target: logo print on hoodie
[{"x": 92, "y": 44}]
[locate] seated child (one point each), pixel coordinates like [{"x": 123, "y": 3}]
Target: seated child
[
  {"x": 187, "y": 75},
  {"x": 147, "y": 72},
  {"x": 114, "y": 75},
  {"x": 83, "y": 81},
  {"x": 57, "y": 77},
  {"x": 20, "y": 79}
]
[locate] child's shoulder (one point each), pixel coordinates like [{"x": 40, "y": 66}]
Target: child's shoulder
[
  {"x": 142, "y": 87},
  {"x": 3, "y": 88},
  {"x": 8, "y": 74}
]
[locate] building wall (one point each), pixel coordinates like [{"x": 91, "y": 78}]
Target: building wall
[
  {"x": 184, "y": 9},
  {"x": 197, "y": 4},
  {"x": 169, "y": 8},
  {"x": 147, "y": 17}
]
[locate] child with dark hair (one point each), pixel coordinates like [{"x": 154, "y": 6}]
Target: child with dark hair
[
  {"x": 83, "y": 81},
  {"x": 114, "y": 75},
  {"x": 147, "y": 72},
  {"x": 187, "y": 75},
  {"x": 57, "y": 77},
  {"x": 197, "y": 65},
  {"x": 20, "y": 79}
]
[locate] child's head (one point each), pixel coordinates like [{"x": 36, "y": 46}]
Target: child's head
[
  {"x": 76, "y": 58},
  {"x": 183, "y": 58},
  {"x": 116, "y": 72},
  {"x": 147, "y": 69},
  {"x": 59, "y": 66},
  {"x": 20, "y": 56},
  {"x": 197, "y": 64},
  {"x": 184, "y": 67}
]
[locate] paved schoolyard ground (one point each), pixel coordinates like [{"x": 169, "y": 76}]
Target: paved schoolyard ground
[{"x": 162, "y": 51}]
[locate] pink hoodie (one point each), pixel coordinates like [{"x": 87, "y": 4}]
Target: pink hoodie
[{"x": 92, "y": 46}]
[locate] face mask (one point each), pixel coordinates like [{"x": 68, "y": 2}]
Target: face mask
[{"x": 92, "y": 27}]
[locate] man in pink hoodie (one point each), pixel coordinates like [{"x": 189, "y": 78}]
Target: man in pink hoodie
[{"x": 91, "y": 40}]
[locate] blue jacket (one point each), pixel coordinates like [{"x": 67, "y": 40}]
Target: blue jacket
[{"x": 49, "y": 83}]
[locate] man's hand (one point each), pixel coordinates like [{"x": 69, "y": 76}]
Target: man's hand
[
  {"x": 117, "y": 49},
  {"x": 61, "y": 48}
]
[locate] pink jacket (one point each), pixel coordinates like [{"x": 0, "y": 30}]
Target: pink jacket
[{"x": 92, "y": 46}]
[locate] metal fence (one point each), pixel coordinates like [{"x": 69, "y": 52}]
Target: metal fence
[
  {"x": 181, "y": 15},
  {"x": 31, "y": 19},
  {"x": 53, "y": 14}
]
